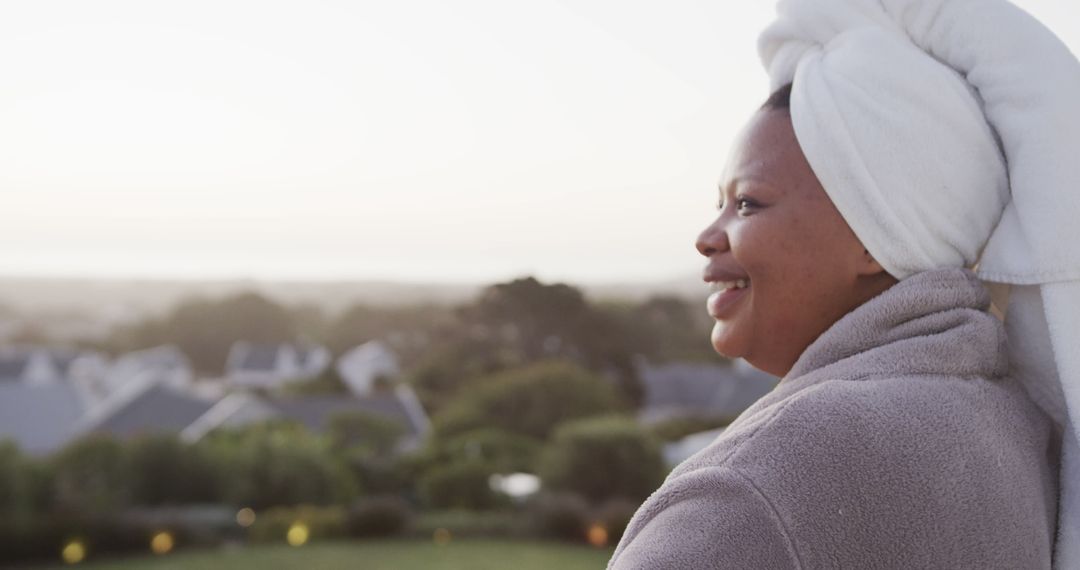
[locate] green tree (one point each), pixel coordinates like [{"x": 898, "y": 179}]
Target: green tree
[
  {"x": 205, "y": 330},
  {"x": 459, "y": 485},
  {"x": 164, "y": 471},
  {"x": 277, "y": 464},
  {"x": 537, "y": 321},
  {"x": 16, "y": 481},
  {"x": 91, "y": 475},
  {"x": 374, "y": 433},
  {"x": 603, "y": 458},
  {"x": 408, "y": 330},
  {"x": 530, "y": 400},
  {"x": 676, "y": 330}
]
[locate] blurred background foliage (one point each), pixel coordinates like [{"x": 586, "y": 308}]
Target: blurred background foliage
[{"x": 525, "y": 378}]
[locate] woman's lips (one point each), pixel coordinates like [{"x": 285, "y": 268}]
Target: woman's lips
[{"x": 720, "y": 303}]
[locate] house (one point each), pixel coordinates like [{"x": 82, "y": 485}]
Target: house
[
  {"x": 314, "y": 412},
  {"x": 270, "y": 365},
  {"x": 165, "y": 365},
  {"x": 32, "y": 366},
  {"x": 143, "y": 408},
  {"x": 698, "y": 389},
  {"x": 362, "y": 366},
  {"x": 40, "y": 419}
]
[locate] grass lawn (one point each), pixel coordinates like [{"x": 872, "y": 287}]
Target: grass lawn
[{"x": 377, "y": 555}]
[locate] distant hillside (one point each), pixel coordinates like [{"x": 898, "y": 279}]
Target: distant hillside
[{"x": 98, "y": 296}]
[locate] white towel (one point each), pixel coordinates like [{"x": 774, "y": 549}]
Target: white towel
[{"x": 947, "y": 133}]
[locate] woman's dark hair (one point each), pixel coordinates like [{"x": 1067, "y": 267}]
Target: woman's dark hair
[{"x": 780, "y": 99}]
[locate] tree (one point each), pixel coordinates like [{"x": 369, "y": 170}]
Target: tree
[
  {"x": 530, "y": 400},
  {"x": 91, "y": 475},
  {"x": 602, "y": 459},
  {"x": 408, "y": 330},
  {"x": 507, "y": 452},
  {"x": 165, "y": 471},
  {"x": 16, "y": 480},
  {"x": 277, "y": 464},
  {"x": 205, "y": 330},
  {"x": 375, "y": 434},
  {"x": 543, "y": 321},
  {"x": 677, "y": 330},
  {"x": 459, "y": 485},
  {"x": 534, "y": 321}
]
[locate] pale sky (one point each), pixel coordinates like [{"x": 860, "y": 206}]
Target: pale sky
[{"x": 421, "y": 140}]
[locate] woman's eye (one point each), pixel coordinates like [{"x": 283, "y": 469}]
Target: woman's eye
[{"x": 744, "y": 203}]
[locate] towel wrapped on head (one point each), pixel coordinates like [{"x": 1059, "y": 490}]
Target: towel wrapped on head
[{"x": 947, "y": 133}]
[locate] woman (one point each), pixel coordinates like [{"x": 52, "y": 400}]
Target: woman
[{"x": 911, "y": 427}]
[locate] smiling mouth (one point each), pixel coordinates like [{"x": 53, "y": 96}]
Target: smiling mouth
[
  {"x": 725, "y": 295},
  {"x": 721, "y": 286}
]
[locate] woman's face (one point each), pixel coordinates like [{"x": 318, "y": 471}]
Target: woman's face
[{"x": 796, "y": 264}]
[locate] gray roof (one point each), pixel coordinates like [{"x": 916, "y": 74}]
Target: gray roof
[
  {"x": 157, "y": 409},
  {"x": 12, "y": 366},
  {"x": 259, "y": 356},
  {"x": 315, "y": 411},
  {"x": 39, "y": 419},
  {"x": 701, "y": 389},
  {"x": 163, "y": 356},
  {"x": 62, "y": 357}
]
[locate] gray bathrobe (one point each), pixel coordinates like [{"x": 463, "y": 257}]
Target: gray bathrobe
[{"x": 897, "y": 440}]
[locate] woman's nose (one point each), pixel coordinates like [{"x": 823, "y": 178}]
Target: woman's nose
[{"x": 712, "y": 239}]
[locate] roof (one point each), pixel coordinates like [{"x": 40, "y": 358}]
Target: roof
[
  {"x": 39, "y": 419},
  {"x": 163, "y": 356},
  {"x": 263, "y": 356},
  {"x": 314, "y": 412},
  {"x": 14, "y": 359},
  {"x": 12, "y": 366},
  {"x": 701, "y": 389},
  {"x": 259, "y": 356},
  {"x": 157, "y": 408}
]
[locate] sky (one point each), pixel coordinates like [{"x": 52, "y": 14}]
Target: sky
[{"x": 414, "y": 140}]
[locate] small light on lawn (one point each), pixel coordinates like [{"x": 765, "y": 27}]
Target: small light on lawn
[
  {"x": 74, "y": 552},
  {"x": 297, "y": 535},
  {"x": 162, "y": 543},
  {"x": 245, "y": 517},
  {"x": 597, "y": 535},
  {"x": 442, "y": 536}
]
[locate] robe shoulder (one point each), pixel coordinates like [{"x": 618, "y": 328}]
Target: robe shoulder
[{"x": 890, "y": 472}]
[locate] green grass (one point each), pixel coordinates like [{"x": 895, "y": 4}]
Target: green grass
[{"x": 377, "y": 555}]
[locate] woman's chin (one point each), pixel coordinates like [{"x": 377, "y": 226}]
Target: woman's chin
[{"x": 724, "y": 342}]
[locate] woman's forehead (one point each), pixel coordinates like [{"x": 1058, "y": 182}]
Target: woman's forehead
[{"x": 766, "y": 150}]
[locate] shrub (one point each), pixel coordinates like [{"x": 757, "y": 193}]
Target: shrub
[
  {"x": 165, "y": 471},
  {"x": 603, "y": 458},
  {"x": 378, "y": 516},
  {"x": 91, "y": 476},
  {"x": 273, "y": 525},
  {"x": 43, "y": 538},
  {"x": 559, "y": 515},
  {"x": 463, "y": 485},
  {"x": 25, "y": 483},
  {"x": 378, "y": 475},
  {"x": 374, "y": 433},
  {"x": 507, "y": 452},
  {"x": 615, "y": 515},
  {"x": 277, "y": 465}
]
